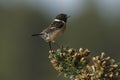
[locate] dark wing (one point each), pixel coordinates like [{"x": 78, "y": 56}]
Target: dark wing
[
  {"x": 57, "y": 24},
  {"x": 54, "y": 26}
]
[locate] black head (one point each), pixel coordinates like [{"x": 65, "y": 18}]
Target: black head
[{"x": 62, "y": 17}]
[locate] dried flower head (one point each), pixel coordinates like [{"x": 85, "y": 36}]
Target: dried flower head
[
  {"x": 69, "y": 61},
  {"x": 76, "y": 65}
]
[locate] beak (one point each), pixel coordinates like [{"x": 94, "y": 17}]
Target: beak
[{"x": 68, "y": 16}]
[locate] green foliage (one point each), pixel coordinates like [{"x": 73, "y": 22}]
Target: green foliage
[{"x": 76, "y": 65}]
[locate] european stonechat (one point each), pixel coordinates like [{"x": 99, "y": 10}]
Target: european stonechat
[{"x": 56, "y": 28}]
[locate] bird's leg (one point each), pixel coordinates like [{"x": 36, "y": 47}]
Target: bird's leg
[
  {"x": 61, "y": 46},
  {"x": 50, "y": 45}
]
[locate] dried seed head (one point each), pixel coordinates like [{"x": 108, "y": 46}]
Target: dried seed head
[
  {"x": 81, "y": 50},
  {"x": 103, "y": 63},
  {"x": 86, "y": 52},
  {"x": 60, "y": 68},
  {"x": 97, "y": 57},
  {"x": 53, "y": 61},
  {"x": 72, "y": 64},
  {"x": 82, "y": 59},
  {"x": 102, "y": 55},
  {"x": 98, "y": 62},
  {"x": 117, "y": 73},
  {"x": 75, "y": 55},
  {"x": 70, "y": 50},
  {"x": 111, "y": 75},
  {"x": 112, "y": 61},
  {"x": 115, "y": 65},
  {"x": 107, "y": 58},
  {"x": 94, "y": 59}
]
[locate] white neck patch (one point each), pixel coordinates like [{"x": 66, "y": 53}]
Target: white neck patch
[{"x": 58, "y": 20}]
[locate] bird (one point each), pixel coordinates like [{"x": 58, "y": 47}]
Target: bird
[{"x": 55, "y": 29}]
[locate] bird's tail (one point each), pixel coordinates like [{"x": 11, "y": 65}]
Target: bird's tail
[{"x": 36, "y": 34}]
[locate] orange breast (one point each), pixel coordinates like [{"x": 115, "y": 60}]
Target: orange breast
[{"x": 56, "y": 33}]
